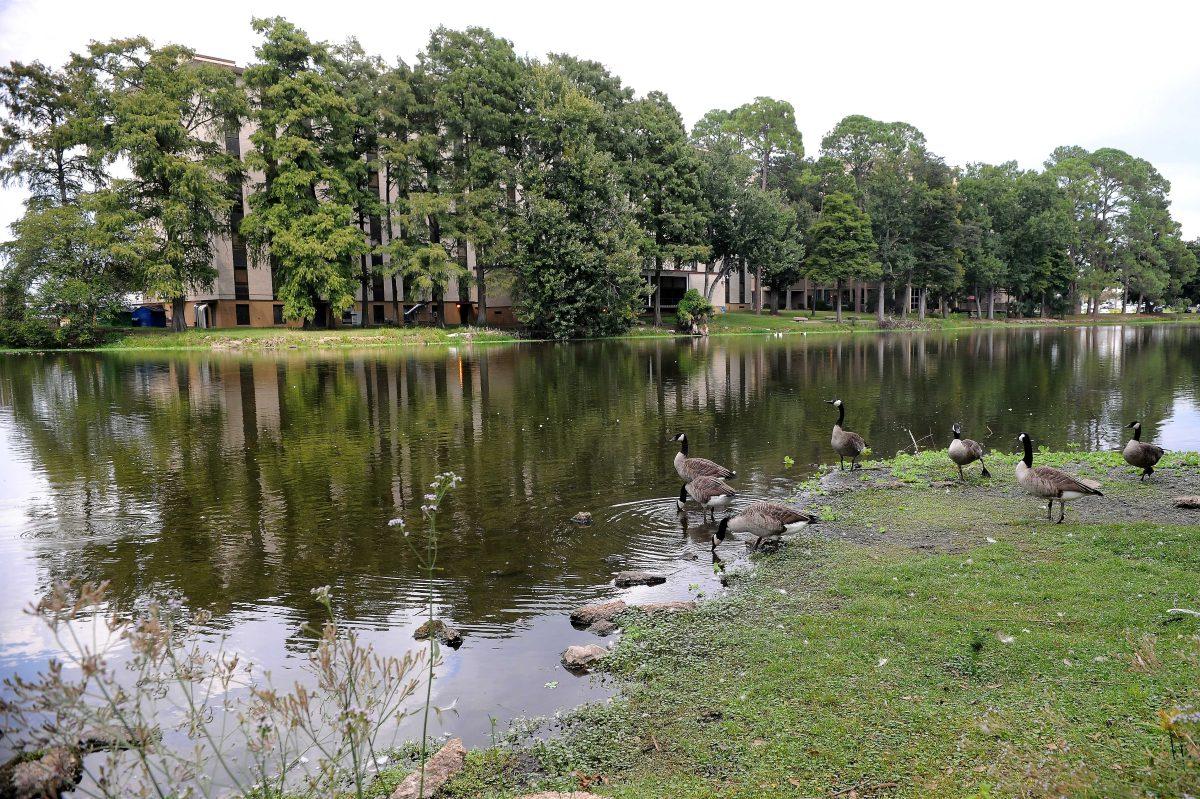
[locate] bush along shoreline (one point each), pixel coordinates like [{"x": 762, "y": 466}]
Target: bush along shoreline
[{"x": 929, "y": 638}]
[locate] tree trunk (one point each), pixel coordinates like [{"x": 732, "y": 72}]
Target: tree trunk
[
  {"x": 1043, "y": 312},
  {"x": 904, "y": 309},
  {"x": 879, "y": 302},
  {"x": 178, "y": 314},
  {"x": 758, "y": 297},
  {"x": 992, "y": 302},
  {"x": 1124, "y": 296},
  {"x": 657, "y": 291},
  {"x": 397, "y": 312},
  {"x": 480, "y": 289},
  {"x": 922, "y": 298},
  {"x": 365, "y": 280},
  {"x": 787, "y": 299},
  {"x": 839, "y": 300},
  {"x": 945, "y": 306},
  {"x": 1141, "y": 300}
]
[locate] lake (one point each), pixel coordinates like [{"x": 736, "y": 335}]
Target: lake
[{"x": 239, "y": 483}]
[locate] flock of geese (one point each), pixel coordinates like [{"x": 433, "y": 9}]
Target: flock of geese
[{"x": 704, "y": 480}]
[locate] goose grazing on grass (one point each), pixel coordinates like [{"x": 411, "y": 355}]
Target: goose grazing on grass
[
  {"x": 1140, "y": 454},
  {"x": 691, "y": 468},
  {"x": 763, "y": 520},
  {"x": 1050, "y": 483},
  {"x": 846, "y": 444},
  {"x": 708, "y": 492},
  {"x": 964, "y": 451}
]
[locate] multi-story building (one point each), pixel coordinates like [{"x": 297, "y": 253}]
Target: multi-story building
[{"x": 243, "y": 293}]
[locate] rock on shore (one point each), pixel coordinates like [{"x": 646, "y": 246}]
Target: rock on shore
[
  {"x": 590, "y": 614},
  {"x": 578, "y": 658},
  {"x": 450, "y": 636},
  {"x": 444, "y": 764}
]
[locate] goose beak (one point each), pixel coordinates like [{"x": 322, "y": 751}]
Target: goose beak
[
  {"x": 1131, "y": 425},
  {"x": 829, "y": 402}
]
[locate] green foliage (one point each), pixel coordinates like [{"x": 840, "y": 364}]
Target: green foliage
[
  {"x": 841, "y": 245},
  {"x": 693, "y": 309},
  {"x": 161, "y": 108},
  {"x": 303, "y": 212},
  {"x": 577, "y": 259}
]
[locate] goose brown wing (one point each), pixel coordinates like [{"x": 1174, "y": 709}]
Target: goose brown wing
[
  {"x": 856, "y": 440},
  {"x": 703, "y": 489},
  {"x": 1059, "y": 481},
  {"x": 703, "y": 467},
  {"x": 779, "y": 514},
  {"x": 973, "y": 447}
]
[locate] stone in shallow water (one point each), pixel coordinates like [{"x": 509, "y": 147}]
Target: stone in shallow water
[
  {"x": 450, "y": 636},
  {"x": 590, "y": 614},
  {"x": 583, "y": 517},
  {"x": 56, "y": 771},
  {"x": 626, "y": 579},
  {"x": 578, "y": 658},
  {"x": 602, "y": 627},
  {"x": 447, "y": 762}
]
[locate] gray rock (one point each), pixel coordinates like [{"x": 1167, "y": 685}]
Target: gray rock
[
  {"x": 666, "y": 607},
  {"x": 583, "y": 517},
  {"x": 56, "y": 771},
  {"x": 602, "y": 627},
  {"x": 613, "y": 559},
  {"x": 447, "y": 762},
  {"x": 590, "y": 614},
  {"x": 689, "y": 555},
  {"x": 626, "y": 579},
  {"x": 579, "y": 658},
  {"x": 1192, "y": 502},
  {"x": 450, "y": 636}
]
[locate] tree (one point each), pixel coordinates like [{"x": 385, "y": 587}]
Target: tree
[
  {"x": 577, "y": 259},
  {"x": 163, "y": 110},
  {"x": 668, "y": 200},
  {"x": 841, "y": 245},
  {"x": 51, "y": 137},
  {"x": 882, "y": 159},
  {"x": 358, "y": 78},
  {"x": 1106, "y": 188},
  {"x": 724, "y": 172},
  {"x": 768, "y": 236},
  {"x": 302, "y": 213},
  {"x": 474, "y": 85},
  {"x": 766, "y": 132}
]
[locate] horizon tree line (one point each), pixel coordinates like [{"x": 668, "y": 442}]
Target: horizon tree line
[{"x": 567, "y": 187}]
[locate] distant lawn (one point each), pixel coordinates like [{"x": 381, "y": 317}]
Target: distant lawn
[
  {"x": 748, "y": 322},
  {"x": 251, "y": 338}
]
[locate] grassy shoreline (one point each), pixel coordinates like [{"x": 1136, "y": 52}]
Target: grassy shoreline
[
  {"x": 928, "y": 639},
  {"x": 737, "y": 323}
]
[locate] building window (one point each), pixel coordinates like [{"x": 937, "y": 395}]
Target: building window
[
  {"x": 242, "y": 311},
  {"x": 277, "y": 314},
  {"x": 379, "y": 317}
]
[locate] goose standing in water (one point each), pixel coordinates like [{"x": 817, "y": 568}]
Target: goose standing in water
[
  {"x": 845, "y": 443},
  {"x": 763, "y": 520},
  {"x": 1140, "y": 454},
  {"x": 964, "y": 451},
  {"x": 1050, "y": 483},
  {"x": 708, "y": 492},
  {"x": 691, "y": 468}
]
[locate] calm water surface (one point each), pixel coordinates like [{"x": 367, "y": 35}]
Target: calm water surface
[{"x": 240, "y": 483}]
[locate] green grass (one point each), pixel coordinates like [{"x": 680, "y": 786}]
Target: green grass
[
  {"x": 933, "y": 642},
  {"x": 253, "y": 339},
  {"x": 749, "y": 323}
]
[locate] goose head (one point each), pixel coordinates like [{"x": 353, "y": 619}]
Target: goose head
[
  {"x": 722, "y": 531},
  {"x": 680, "y": 437},
  {"x": 956, "y": 429},
  {"x": 1134, "y": 425},
  {"x": 837, "y": 403}
]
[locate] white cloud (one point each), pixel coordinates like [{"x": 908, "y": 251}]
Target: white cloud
[{"x": 1009, "y": 81}]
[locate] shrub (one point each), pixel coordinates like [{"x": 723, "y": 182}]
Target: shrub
[
  {"x": 693, "y": 309},
  {"x": 31, "y": 333}
]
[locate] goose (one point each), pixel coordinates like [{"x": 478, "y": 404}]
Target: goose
[
  {"x": 763, "y": 520},
  {"x": 1050, "y": 483},
  {"x": 691, "y": 468},
  {"x": 846, "y": 443},
  {"x": 964, "y": 451},
  {"x": 708, "y": 492},
  {"x": 1140, "y": 454}
]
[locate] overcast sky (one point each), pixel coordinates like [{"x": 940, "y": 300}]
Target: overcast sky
[{"x": 985, "y": 82}]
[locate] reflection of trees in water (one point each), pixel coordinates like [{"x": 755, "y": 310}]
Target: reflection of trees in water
[{"x": 227, "y": 480}]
